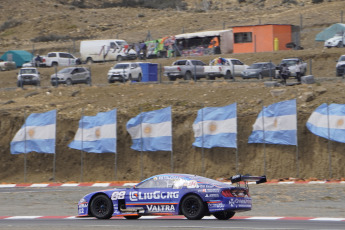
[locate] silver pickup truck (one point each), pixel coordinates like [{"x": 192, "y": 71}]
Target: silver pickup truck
[{"x": 186, "y": 69}]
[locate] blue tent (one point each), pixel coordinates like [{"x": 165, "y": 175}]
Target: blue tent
[
  {"x": 18, "y": 56},
  {"x": 330, "y": 32}
]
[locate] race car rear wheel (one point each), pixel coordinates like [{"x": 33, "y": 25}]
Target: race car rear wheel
[
  {"x": 224, "y": 215},
  {"x": 132, "y": 217},
  {"x": 193, "y": 208},
  {"x": 101, "y": 207}
]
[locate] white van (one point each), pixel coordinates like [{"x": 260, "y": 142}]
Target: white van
[{"x": 106, "y": 50}]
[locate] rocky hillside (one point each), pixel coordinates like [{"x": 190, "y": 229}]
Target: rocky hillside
[{"x": 59, "y": 25}]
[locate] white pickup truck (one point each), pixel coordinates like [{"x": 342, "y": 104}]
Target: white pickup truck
[
  {"x": 186, "y": 69},
  {"x": 59, "y": 59},
  {"x": 224, "y": 67}
]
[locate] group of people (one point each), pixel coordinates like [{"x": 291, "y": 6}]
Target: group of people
[{"x": 285, "y": 73}]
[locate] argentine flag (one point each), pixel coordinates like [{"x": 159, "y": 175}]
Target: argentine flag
[
  {"x": 151, "y": 131},
  {"x": 216, "y": 127},
  {"x": 328, "y": 119},
  {"x": 276, "y": 124},
  {"x": 38, "y": 134},
  {"x": 96, "y": 134}
]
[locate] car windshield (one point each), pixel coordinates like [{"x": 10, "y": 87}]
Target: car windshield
[
  {"x": 27, "y": 71},
  {"x": 342, "y": 58},
  {"x": 255, "y": 66},
  {"x": 121, "y": 43},
  {"x": 121, "y": 66},
  {"x": 66, "y": 70},
  {"x": 289, "y": 62}
]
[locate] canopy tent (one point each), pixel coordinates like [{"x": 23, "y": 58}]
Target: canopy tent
[
  {"x": 18, "y": 56},
  {"x": 226, "y": 38},
  {"x": 330, "y": 32}
]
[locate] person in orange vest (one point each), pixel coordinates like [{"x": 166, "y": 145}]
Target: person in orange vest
[{"x": 214, "y": 44}]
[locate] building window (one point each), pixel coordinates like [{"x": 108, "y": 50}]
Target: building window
[{"x": 243, "y": 37}]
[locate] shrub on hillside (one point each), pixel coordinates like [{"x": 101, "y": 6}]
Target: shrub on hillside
[
  {"x": 317, "y": 1},
  {"x": 155, "y": 4},
  {"x": 55, "y": 37},
  {"x": 9, "y": 24}
]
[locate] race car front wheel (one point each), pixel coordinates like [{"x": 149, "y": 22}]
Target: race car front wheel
[
  {"x": 193, "y": 208},
  {"x": 101, "y": 207},
  {"x": 224, "y": 215}
]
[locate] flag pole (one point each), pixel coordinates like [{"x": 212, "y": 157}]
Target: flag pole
[
  {"x": 82, "y": 146},
  {"x": 297, "y": 153},
  {"x": 329, "y": 144},
  {"x": 172, "y": 155},
  {"x": 25, "y": 146},
  {"x": 115, "y": 166},
  {"x": 263, "y": 130},
  {"x": 236, "y": 144},
  {"x": 202, "y": 135},
  {"x": 54, "y": 160},
  {"x": 141, "y": 145}
]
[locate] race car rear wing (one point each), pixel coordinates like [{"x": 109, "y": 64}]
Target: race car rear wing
[{"x": 257, "y": 179}]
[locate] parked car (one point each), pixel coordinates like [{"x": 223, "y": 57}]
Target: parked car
[
  {"x": 122, "y": 72},
  {"x": 338, "y": 40},
  {"x": 292, "y": 64},
  {"x": 260, "y": 70},
  {"x": 172, "y": 194},
  {"x": 71, "y": 75},
  {"x": 185, "y": 69},
  {"x": 59, "y": 59},
  {"x": 28, "y": 76},
  {"x": 340, "y": 67},
  {"x": 7, "y": 65}
]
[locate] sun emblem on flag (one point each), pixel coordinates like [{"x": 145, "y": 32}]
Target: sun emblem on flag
[
  {"x": 340, "y": 122},
  {"x": 31, "y": 133},
  {"x": 98, "y": 132},
  {"x": 275, "y": 124},
  {"x": 148, "y": 129},
  {"x": 212, "y": 127}
]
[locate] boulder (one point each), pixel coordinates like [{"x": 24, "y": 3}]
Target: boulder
[{"x": 309, "y": 79}]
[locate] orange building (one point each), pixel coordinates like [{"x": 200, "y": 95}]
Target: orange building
[{"x": 264, "y": 38}]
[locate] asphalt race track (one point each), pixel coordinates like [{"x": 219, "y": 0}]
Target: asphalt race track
[
  {"x": 274, "y": 207},
  {"x": 54, "y": 224}
]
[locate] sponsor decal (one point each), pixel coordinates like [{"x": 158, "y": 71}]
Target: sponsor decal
[
  {"x": 161, "y": 208},
  {"x": 83, "y": 205},
  {"x": 217, "y": 205},
  {"x": 212, "y": 190},
  {"x": 212, "y": 195},
  {"x": 157, "y": 195},
  {"x": 240, "y": 203}
]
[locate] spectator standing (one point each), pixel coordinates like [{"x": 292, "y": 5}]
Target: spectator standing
[
  {"x": 285, "y": 73},
  {"x": 38, "y": 60}
]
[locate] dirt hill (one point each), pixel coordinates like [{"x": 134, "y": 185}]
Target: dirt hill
[{"x": 21, "y": 27}]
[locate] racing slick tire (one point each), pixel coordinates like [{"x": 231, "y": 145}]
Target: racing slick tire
[
  {"x": 224, "y": 215},
  {"x": 132, "y": 217},
  {"x": 101, "y": 207},
  {"x": 193, "y": 208}
]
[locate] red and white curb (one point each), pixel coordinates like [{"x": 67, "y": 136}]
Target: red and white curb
[
  {"x": 127, "y": 184},
  {"x": 174, "y": 217}
]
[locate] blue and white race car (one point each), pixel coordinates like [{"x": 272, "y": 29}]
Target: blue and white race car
[{"x": 172, "y": 194}]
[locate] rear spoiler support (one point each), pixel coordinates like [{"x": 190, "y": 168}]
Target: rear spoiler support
[{"x": 239, "y": 178}]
